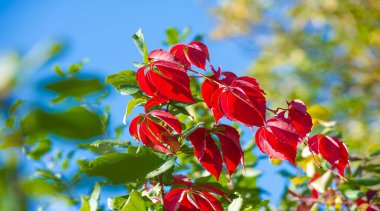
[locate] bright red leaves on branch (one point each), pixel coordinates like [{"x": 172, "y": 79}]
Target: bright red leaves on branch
[
  {"x": 331, "y": 149},
  {"x": 195, "y": 53},
  {"x": 208, "y": 154},
  {"x": 186, "y": 195},
  {"x": 239, "y": 99},
  {"x": 145, "y": 128},
  {"x": 278, "y": 139},
  {"x": 164, "y": 80}
]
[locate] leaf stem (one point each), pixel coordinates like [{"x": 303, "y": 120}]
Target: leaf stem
[{"x": 205, "y": 76}]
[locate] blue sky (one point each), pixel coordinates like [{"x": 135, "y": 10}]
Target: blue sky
[{"x": 101, "y": 30}]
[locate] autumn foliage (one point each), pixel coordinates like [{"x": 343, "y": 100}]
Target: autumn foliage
[{"x": 165, "y": 77}]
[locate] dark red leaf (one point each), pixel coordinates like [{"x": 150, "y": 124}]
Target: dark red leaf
[
  {"x": 215, "y": 104},
  {"x": 173, "y": 199},
  {"x": 182, "y": 179},
  {"x": 149, "y": 139},
  {"x": 197, "y": 54},
  {"x": 278, "y": 139},
  {"x": 169, "y": 119},
  {"x": 163, "y": 135},
  {"x": 173, "y": 71},
  {"x": 179, "y": 54},
  {"x": 154, "y": 101},
  {"x": 238, "y": 99},
  {"x": 208, "y": 88},
  {"x": 155, "y": 135},
  {"x": 193, "y": 197},
  {"x": 299, "y": 118},
  {"x": 145, "y": 85},
  {"x": 230, "y": 146},
  {"x": 331, "y": 149},
  {"x": 133, "y": 127},
  {"x": 207, "y": 201},
  {"x": 208, "y": 153},
  {"x": 236, "y": 106},
  {"x": 170, "y": 88}
]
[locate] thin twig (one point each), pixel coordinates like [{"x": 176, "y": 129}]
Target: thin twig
[
  {"x": 161, "y": 178},
  {"x": 205, "y": 76}
]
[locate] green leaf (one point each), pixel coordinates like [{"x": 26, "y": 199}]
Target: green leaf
[
  {"x": 172, "y": 36},
  {"x": 58, "y": 70},
  {"x": 15, "y": 106},
  {"x": 94, "y": 198},
  {"x": 365, "y": 181},
  {"x": 135, "y": 202},
  {"x": 117, "y": 203},
  {"x": 131, "y": 105},
  {"x": 127, "y": 167},
  {"x": 124, "y": 82},
  {"x": 75, "y": 87},
  {"x": 75, "y": 123},
  {"x": 42, "y": 148},
  {"x": 85, "y": 204},
  {"x": 105, "y": 146},
  {"x": 166, "y": 166},
  {"x": 138, "y": 38},
  {"x": 236, "y": 204}
]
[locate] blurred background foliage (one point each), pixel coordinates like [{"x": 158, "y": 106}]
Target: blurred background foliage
[{"x": 324, "y": 52}]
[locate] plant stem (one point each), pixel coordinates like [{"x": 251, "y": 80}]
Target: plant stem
[
  {"x": 205, "y": 76},
  {"x": 161, "y": 180}
]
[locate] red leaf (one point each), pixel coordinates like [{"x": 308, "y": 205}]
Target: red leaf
[
  {"x": 173, "y": 71},
  {"x": 192, "y": 197},
  {"x": 212, "y": 189},
  {"x": 211, "y": 158},
  {"x": 331, "y": 149},
  {"x": 163, "y": 135},
  {"x": 299, "y": 118},
  {"x": 230, "y": 145},
  {"x": 149, "y": 139},
  {"x": 173, "y": 199},
  {"x": 208, "y": 88},
  {"x": 154, "y": 101},
  {"x": 169, "y": 119},
  {"x": 197, "y": 53},
  {"x": 278, "y": 139},
  {"x": 198, "y": 139},
  {"x": 215, "y": 105},
  {"x": 182, "y": 179},
  {"x": 133, "y": 127},
  {"x": 208, "y": 153},
  {"x": 153, "y": 134},
  {"x": 170, "y": 88},
  {"x": 165, "y": 78},
  {"x": 179, "y": 54},
  {"x": 236, "y": 106},
  {"x": 145, "y": 85},
  {"x": 207, "y": 201},
  {"x": 161, "y": 55},
  {"x": 238, "y": 99}
]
